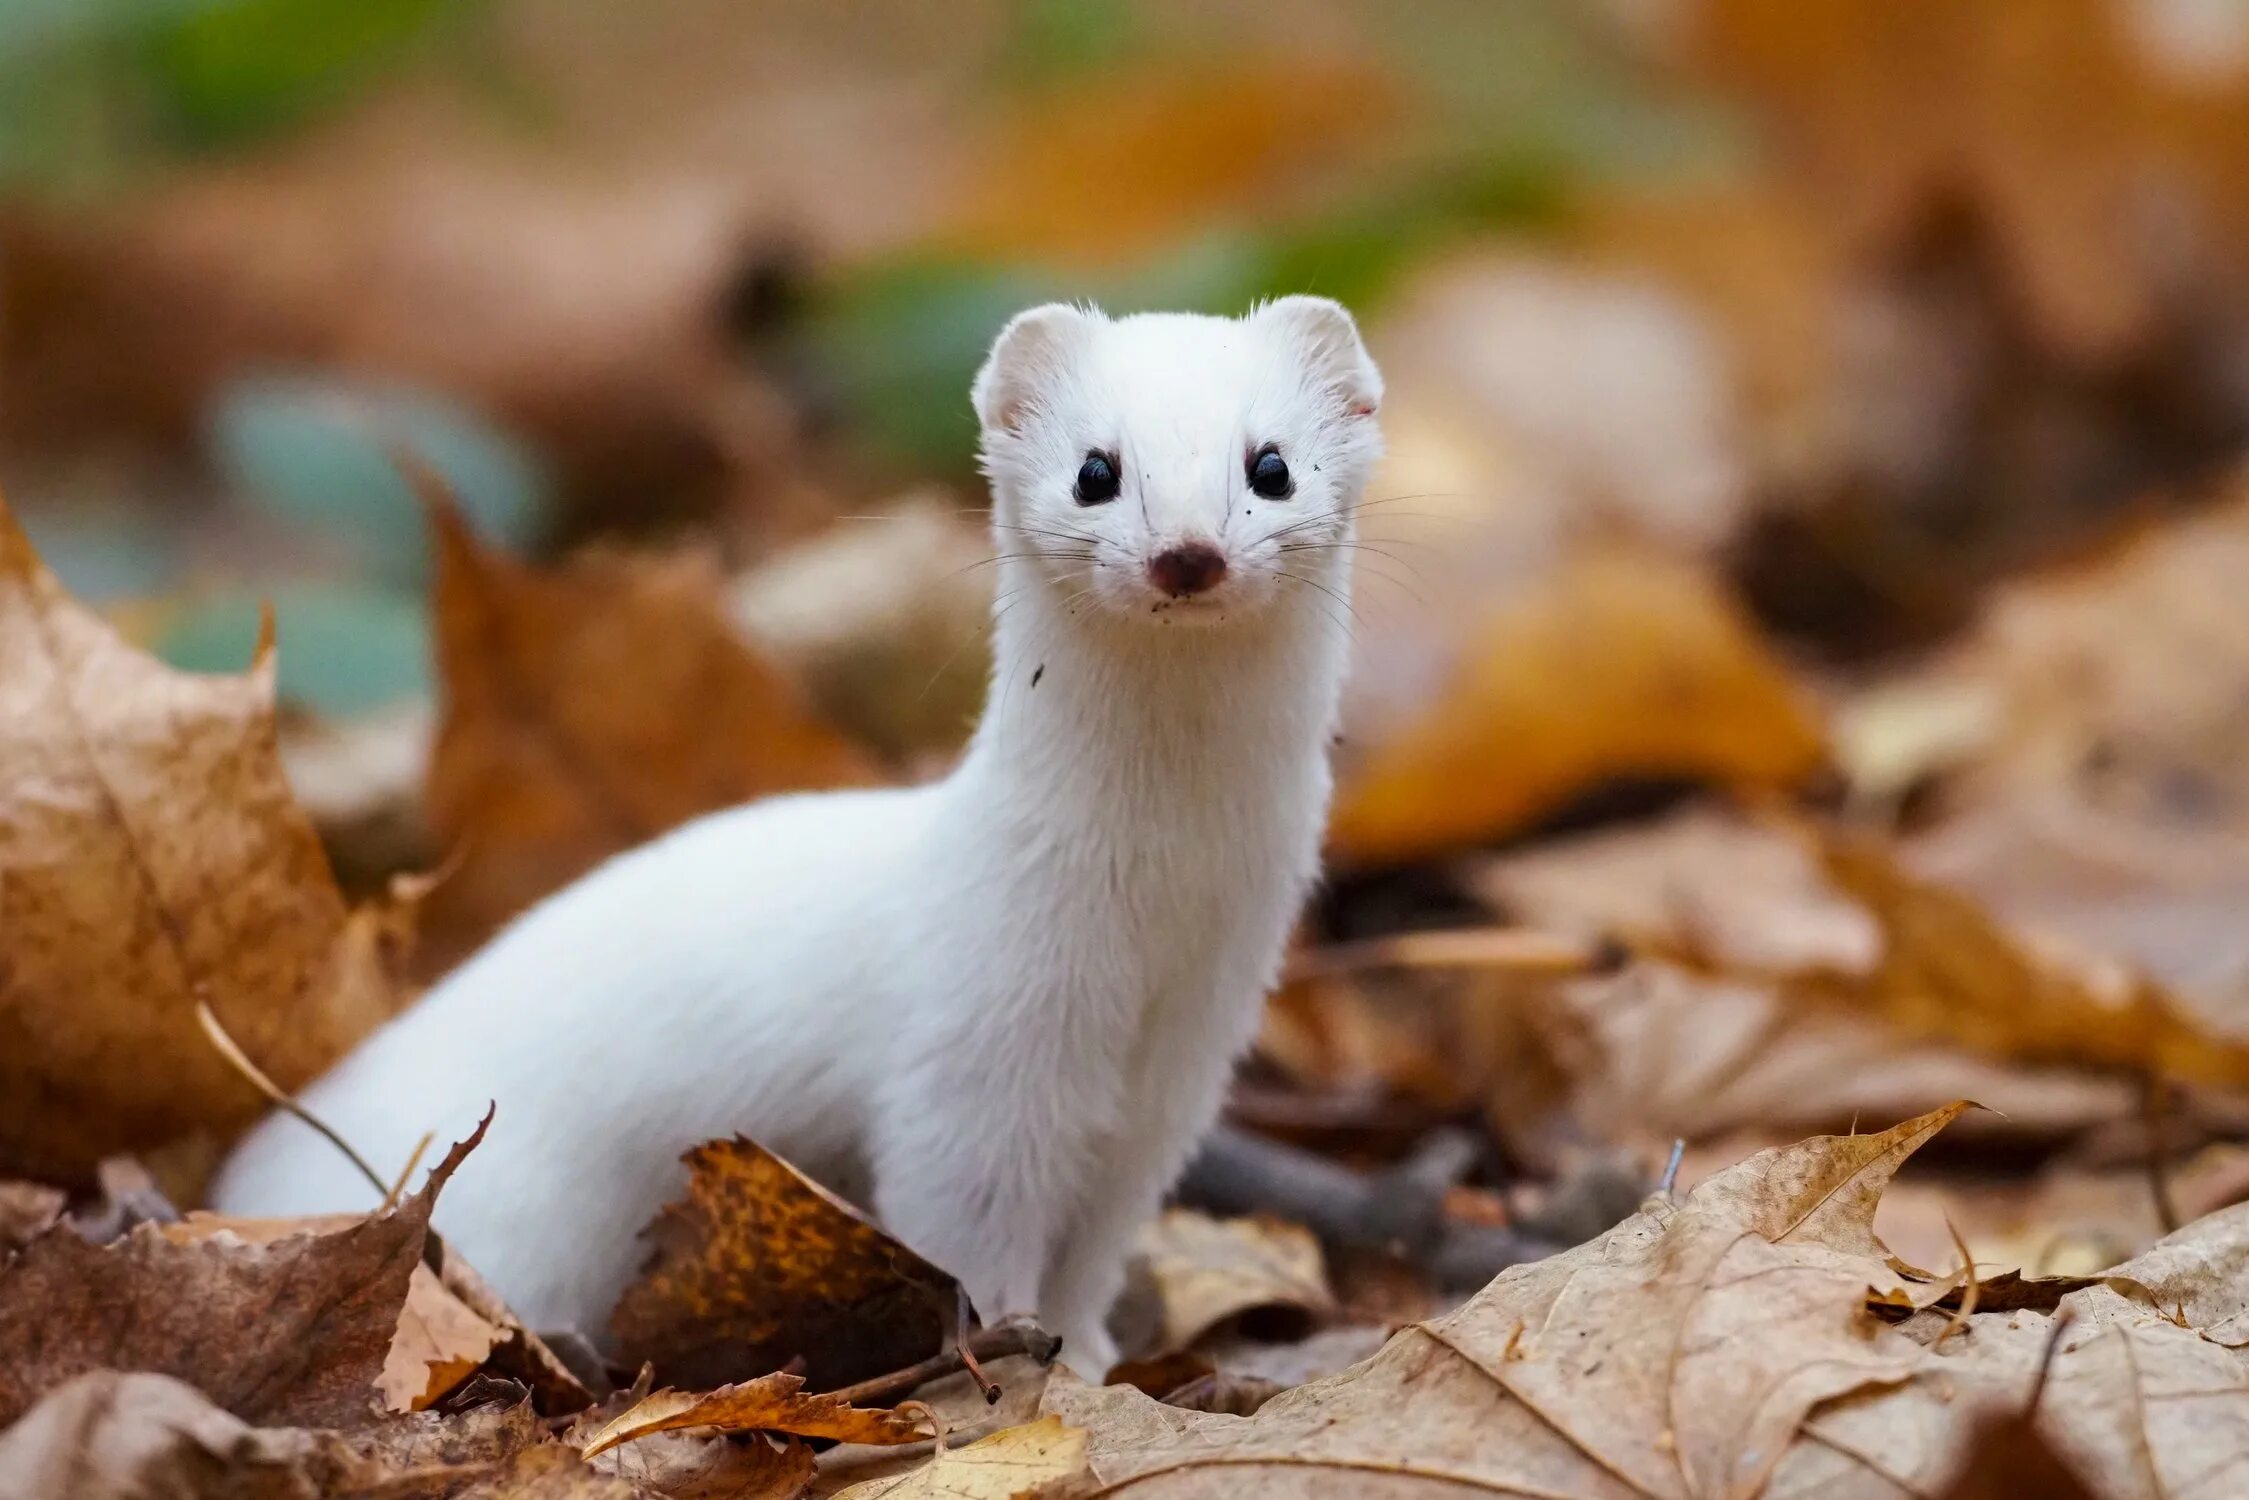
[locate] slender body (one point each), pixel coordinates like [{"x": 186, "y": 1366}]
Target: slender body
[{"x": 1002, "y": 1008}]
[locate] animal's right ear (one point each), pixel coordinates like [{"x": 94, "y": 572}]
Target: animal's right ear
[{"x": 1028, "y": 357}]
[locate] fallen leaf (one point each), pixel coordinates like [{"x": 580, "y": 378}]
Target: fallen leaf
[
  {"x": 153, "y": 855},
  {"x": 2199, "y": 1273},
  {"x": 294, "y": 1331},
  {"x": 1206, "y": 1272},
  {"x": 1949, "y": 970},
  {"x": 26, "y": 1210},
  {"x": 1675, "y": 1356},
  {"x": 105, "y": 1435},
  {"x": 586, "y": 710},
  {"x": 1614, "y": 665},
  {"x": 1173, "y": 145},
  {"x": 759, "y": 1265},
  {"x": 770, "y": 1403},
  {"x": 682, "y": 1466},
  {"x": 548, "y": 1472},
  {"x": 1010, "y": 1464}
]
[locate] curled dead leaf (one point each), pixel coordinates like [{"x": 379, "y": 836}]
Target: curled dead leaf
[
  {"x": 1205, "y": 1272},
  {"x": 771, "y": 1403},
  {"x": 759, "y": 1265}
]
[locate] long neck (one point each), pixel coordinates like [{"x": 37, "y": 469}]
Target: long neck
[{"x": 1115, "y": 722}]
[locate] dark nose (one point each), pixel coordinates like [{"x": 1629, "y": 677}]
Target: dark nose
[{"x": 1189, "y": 568}]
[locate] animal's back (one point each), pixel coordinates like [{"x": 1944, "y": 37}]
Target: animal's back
[{"x": 706, "y": 984}]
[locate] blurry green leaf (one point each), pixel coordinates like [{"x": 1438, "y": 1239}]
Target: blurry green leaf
[
  {"x": 314, "y": 452},
  {"x": 101, "y": 555},
  {"x": 89, "y": 88},
  {"x": 901, "y": 339},
  {"x": 1049, "y": 39},
  {"x": 344, "y": 648}
]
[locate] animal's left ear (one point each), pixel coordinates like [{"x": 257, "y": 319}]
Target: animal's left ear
[{"x": 1324, "y": 331}]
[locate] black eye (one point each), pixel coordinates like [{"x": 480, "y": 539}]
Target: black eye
[
  {"x": 1097, "y": 479},
  {"x": 1269, "y": 476}
]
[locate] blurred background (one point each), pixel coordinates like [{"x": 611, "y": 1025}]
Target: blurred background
[{"x": 1813, "y": 555}]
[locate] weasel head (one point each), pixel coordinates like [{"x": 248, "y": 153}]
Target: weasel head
[{"x": 1170, "y": 468}]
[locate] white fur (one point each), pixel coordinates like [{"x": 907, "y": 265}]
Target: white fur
[{"x": 1005, "y": 1005}]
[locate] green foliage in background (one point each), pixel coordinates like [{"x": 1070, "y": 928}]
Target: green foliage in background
[{"x": 92, "y": 90}]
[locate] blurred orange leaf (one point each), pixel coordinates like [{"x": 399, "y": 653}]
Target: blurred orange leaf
[
  {"x": 588, "y": 709},
  {"x": 1618, "y": 664}
]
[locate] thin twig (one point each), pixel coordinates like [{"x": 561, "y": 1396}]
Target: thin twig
[
  {"x": 398, "y": 1185},
  {"x": 987, "y": 1343},
  {"x": 962, "y": 1319},
  {"x": 2062, "y": 1318},
  {"x": 1670, "y": 1178},
  {"x": 275, "y": 1095},
  {"x": 2156, "y": 1102},
  {"x": 1968, "y": 1290},
  {"x": 1521, "y": 950}
]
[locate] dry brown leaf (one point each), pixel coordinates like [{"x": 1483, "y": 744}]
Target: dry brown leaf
[
  {"x": 1015, "y": 1463},
  {"x": 1169, "y": 146},
  {"x": 26, "y": 1210},
  {"x": 440, "y": 1339},
  {"x": 2200, "y": 1274},
  {"x": 1615, "y": 665},
  {"x": 682, "y": 1466},
  {"x": 758, "y": 1265},
  {"x": 294, "y": 1331},
  {"x": 1949, "y": 971},
  {"x": 1207, "y": 1271},
  {"x": 770, "y": 1403},
  {"x": 547, "y": 1472},
  {"x": 586, "y": 710},
  {"x": 152, "y": 855},
  {"x": 2043, "y": 115},
  {"x": 1675, "y": 1356},
  {"x": 110, "y": 1436}
]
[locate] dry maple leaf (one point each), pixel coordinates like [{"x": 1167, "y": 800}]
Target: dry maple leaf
[
  {"x": 293, "y": 1331},
  {"x": 1033, "y": 1459},
  {"x": 586, "y": 710},
  {"x": 1676, "y": 1356},
  {"x": 770, "y": 1403},
  {"x": 151, "y": 854},
  {"x": 758, "y": 1265}
]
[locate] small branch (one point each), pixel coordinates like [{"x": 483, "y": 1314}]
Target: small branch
[
  {"x": 1670, "y": 1178},
  {"x": 986, "y": 1343},
  {"x": 2156, "y": 1108},
  {"x": 1400, "y": 1211},
  {"x": 962, "y": 1319},
  {"x": 1516, "y": 949},
  {"x": 276, "y": 1096},
  {"x": 398, "y": 1183}
]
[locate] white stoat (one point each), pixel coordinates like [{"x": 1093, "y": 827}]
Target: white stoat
[{"x": 1002, "y": 1008}]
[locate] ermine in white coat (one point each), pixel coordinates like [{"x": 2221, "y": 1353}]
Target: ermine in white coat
[{"x": 1002, "y": 1008}]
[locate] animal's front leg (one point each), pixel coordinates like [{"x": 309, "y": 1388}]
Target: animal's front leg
[{"x": 1179, "y": 1091}]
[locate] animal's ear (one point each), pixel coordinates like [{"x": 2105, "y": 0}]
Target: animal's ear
[
  {"x": 1323, "y": 332},
  {"x": 1028, "y": 357}
]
